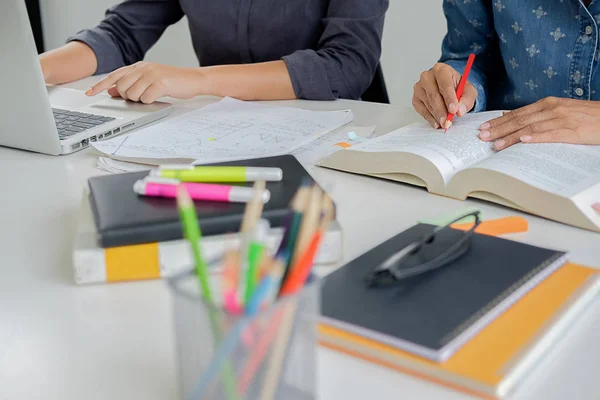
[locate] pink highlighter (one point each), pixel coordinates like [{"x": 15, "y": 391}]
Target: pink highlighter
[{"x": 163, "y": 187}]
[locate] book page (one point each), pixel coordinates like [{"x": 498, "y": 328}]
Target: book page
[
  {"x": 563, "y": 169},
  {"x": 451, "y": 152},
  {"x": 317, "y": 150},
  {"x": 225, "y": 131}
]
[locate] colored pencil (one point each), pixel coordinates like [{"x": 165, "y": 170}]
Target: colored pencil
[
  {"x": 229, "y": 343},
  {"x": 256, "y": 250},
  {"x": 191, "y": 230},
  {"x": 461, "y": 88},
  {"x": 231, "y": 277},
  {"x": 252, "y": 214},
  {"x": 310, "y": 222},
  {"x": 253, "y": 209},
  {"x": 299, "y": 204},
  {"x": 260, "y": 351},
  {"x": 276, "y": 360},
  {"x": 300, "y": 271}
]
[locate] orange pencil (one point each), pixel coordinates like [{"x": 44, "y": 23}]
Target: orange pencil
[
  {"x": 301, "y": 269},
  {"x": 460, "y": 90}
]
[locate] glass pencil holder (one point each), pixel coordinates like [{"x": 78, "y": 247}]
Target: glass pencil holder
[{"x": 221, "y": 356}]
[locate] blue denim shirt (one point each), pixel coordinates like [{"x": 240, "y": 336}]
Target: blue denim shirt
[{"x": 526, "y": 49}]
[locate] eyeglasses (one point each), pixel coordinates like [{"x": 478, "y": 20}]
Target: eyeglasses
[{"x": 435, "y": 250}]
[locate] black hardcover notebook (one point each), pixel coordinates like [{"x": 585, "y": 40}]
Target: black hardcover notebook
[
  {"x": 434, "y": 314},
  {"x": 124, "y": 218}
]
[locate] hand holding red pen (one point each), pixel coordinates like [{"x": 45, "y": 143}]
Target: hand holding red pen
[{"x": 435, "y": 95}]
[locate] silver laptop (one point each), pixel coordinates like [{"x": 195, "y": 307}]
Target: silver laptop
[{"x": 53, "y": 120}]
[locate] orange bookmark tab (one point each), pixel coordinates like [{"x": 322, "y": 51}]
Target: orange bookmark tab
[
  {"x": 497, "y": 227},
  {"x": 343, "y": 144},
  {"x": 596, "y": 207}
]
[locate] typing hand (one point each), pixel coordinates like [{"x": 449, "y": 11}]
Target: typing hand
[
  {"x": 548, "y": 120},
  {"x": 435, "y": 95},
  {"x": 146, "y": 82}
]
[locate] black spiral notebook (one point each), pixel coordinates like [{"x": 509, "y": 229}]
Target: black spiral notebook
[
  {"x": 124, "y": 218},
  {"x": 434, "y": 314}
]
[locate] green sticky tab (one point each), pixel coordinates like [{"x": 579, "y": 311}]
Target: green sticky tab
[{"x": 445, "y": 219}]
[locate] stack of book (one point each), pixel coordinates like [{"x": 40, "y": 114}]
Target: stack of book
[
  {"x": 478, "y": 325},
  {"x": 122, "y": 236}
]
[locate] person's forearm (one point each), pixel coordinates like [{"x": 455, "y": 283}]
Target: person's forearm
[
  {"x": 68, "y": 63},
  {"x": 262, "y": 81}
]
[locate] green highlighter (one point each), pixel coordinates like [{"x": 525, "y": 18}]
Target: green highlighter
[{"x": 191, "y": 173}]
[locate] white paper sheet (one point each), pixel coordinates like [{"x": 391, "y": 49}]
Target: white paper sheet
[
  {"x": 118, "y": 167},
  {"x": 309, "y": 155},
  {"x": 225, "y": 131}
]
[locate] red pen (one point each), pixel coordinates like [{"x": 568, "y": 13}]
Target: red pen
[{"x": 459, "y": 91}]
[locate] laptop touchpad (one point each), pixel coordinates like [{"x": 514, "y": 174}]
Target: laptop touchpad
[{"x": 72, "y": 99}]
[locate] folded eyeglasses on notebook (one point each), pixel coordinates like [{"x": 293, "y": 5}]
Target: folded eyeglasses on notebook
[{"x": 435, "y": 250}]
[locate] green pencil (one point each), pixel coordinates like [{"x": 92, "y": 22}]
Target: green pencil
[
  {"x": 255, "y": 252},
  {"x": 191, "y": 230}
]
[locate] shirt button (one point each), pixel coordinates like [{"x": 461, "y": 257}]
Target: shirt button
[
  {"x": 579, "y": 92},
  {"x": 589, "y": 30}
]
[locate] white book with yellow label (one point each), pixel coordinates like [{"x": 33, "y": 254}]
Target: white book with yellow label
[{"x": 94, "y": 264}]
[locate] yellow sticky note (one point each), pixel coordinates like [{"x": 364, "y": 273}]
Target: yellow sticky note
[
  {"x": 132, "y": 262},
  {"x": 211, "y": 139}
]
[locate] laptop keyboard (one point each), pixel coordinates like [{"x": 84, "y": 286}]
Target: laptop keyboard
[{"x": 70, "y": 123}]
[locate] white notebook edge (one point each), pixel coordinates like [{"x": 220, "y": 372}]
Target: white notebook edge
[
  {"x": 552, "y": 332},
  {"x": 520, "y": 366}
]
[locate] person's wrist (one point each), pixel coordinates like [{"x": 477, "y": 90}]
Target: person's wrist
[
  {"x": 202, "y": 82},
  {"x": 46, "y": 70}
]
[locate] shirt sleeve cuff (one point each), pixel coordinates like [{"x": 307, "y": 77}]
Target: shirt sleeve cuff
[
  {"x": 477, "y": 78},
  {"x": 108, "y": 56},
  {"x": 310, "y": 76}
]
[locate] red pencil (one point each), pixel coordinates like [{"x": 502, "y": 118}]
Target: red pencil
[{"x": 460, "y": 90}]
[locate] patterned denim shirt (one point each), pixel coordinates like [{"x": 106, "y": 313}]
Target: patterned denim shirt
[{"x": 526, "y": 49}]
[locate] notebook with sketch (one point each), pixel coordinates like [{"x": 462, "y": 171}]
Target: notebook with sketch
[
  {"x": 225, "y": 131},
  {"x": 556, "y": 181}
]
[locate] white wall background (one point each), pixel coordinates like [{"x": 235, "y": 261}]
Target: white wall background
[{"x": 411, "y": 43}]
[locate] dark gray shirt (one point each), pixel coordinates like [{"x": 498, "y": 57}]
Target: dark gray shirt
[{"x": 331, "y": 47}]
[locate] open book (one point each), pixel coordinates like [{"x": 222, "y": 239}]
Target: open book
[{"x": 556, "y": 181}]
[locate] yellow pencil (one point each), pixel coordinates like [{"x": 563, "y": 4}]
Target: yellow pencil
[{"x": 253, "y": 209}]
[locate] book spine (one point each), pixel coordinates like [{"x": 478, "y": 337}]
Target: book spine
[
  {"x": 159, "y": 260},
  {"x": 158, "y": 233}
]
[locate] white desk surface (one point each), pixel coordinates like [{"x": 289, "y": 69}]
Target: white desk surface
[{"x": 62, "y": 341}]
